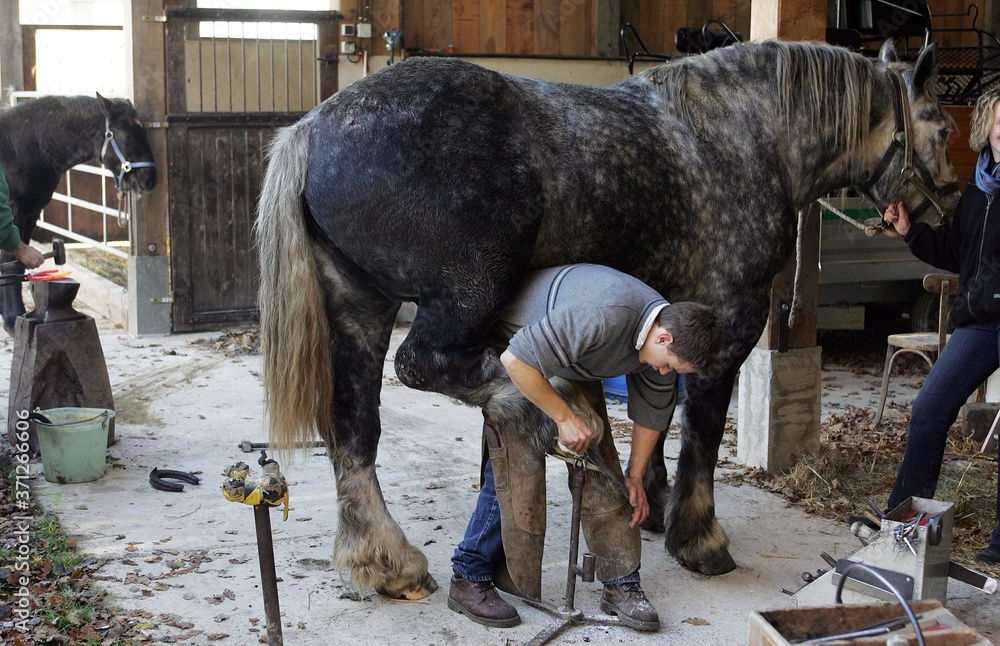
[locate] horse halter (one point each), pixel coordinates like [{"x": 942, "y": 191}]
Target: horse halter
[
  {"x": 124, "y": 165},
  {"x": 914, "y": 171}
]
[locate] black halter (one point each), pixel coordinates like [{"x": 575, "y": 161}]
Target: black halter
[
  {"x": 913, "y": 171},
  {"x": 125, "y": 166}
]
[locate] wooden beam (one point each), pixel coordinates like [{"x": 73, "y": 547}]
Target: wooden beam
[
  {"x": 30, "y": 57},
  {"x": 145, "y": 38},
  {"x": 788, "y": 19},
  {"x": 149, "y": 275},
  {"x": 11, "y": 52},
  {"x": 606, "y": 27}
]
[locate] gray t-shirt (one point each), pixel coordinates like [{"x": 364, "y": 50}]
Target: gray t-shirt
[{"x": 587, "y": 322}]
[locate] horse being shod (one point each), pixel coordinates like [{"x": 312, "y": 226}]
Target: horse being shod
[
  {"x": 43, "y": 138},
  {"x": 440, "y": 182}
]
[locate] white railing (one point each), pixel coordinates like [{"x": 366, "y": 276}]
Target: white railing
[{"x": 122, "y": 217}]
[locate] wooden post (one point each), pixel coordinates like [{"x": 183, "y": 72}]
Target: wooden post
[
  {"x": 148, "y": 263},
  {"x": 779, "y": 386},
  {"x": 788, "y": 19},
  {"x": 11, "y": 61}
]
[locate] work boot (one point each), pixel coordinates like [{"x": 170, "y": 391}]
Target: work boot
[
  {"x": 629, "y": 602},
  {"x": 990, "y": 555},
  {"x": 479, "y": 601}
]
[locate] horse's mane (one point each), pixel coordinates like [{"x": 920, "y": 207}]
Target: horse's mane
[{"x": 831, "y": 84}]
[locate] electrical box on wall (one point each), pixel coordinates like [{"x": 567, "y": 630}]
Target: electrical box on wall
[
  {"x": 347, "y": 47},
  {"x": 347, "y": 30},
  {"x": 364, "y": 30}
]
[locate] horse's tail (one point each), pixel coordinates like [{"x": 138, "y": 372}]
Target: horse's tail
[{"x": 298, "y": 387}]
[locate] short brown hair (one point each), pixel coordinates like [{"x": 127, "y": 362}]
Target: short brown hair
[
  {"x": 697, "y": 333},
  {"x": 982, "y": 119}
]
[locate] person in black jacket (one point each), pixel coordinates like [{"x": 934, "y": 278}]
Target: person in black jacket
[{"x": 970, "y": 246}]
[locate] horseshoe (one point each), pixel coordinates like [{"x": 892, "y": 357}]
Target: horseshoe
[{"x": 157, "y": 478}]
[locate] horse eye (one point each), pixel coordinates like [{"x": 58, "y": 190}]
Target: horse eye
[{"x": 945, "y": 133}]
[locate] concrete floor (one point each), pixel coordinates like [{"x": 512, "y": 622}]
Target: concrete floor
[{"x": 189, "y": 558}]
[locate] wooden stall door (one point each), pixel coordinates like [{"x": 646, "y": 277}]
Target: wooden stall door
[{"x": 233, "y": 77}]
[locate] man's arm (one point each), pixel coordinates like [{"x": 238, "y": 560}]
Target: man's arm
[
  {"x": 574, "y": 433},
  {"x": 643, "y": 442}
]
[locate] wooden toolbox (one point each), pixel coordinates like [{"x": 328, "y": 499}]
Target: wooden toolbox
[{"x": 795, "y": 625}]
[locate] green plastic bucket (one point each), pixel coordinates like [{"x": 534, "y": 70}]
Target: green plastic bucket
[{"x": 73, "y": 443}]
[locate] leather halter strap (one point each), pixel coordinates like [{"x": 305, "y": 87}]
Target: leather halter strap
[
  {"x": 914, "y": 171},
  {"x": 124, "y": 165}
]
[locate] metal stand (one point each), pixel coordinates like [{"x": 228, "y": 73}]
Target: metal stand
[
  {"x": 568, "y": 614},
  {"x": 269, "y": 490},
  {"x": 268, "y": 578}
]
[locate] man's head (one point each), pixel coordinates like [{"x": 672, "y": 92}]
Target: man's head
[{"x": 685, "y": 338}]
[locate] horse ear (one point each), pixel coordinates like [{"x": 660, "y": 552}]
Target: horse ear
[
  {"x": 925, "y": 68},
  {"x": 106, "y": 105},
  {"x": 887, "y": 55}
]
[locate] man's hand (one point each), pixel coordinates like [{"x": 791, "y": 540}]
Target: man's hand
[
  {"x": 896, "y": 215},
  {"x": 28, "y": 256},
  {"x": 575, "y": 434},
  {"x": 637, "y": 498},
  {"x": 643, "y": 442}
]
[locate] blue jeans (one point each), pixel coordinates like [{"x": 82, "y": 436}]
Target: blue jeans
[
  {"x": 482, "y": 548},
  {"x": 971, "y": 355}
]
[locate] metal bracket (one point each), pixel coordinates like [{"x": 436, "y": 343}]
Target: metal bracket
[
  {"x": 163, "y": 300},
  {"x": 154, "y": 19},
  {"x": 867, "y": 584}
]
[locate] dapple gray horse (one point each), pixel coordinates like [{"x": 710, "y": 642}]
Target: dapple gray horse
[{"x": 440, "y": 182}]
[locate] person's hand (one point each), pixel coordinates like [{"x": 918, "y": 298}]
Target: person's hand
[
  {"x": 637, "y": 498},
  {"x": 28, "y": 256},
  {"x": 575, "y": 434},
  {"x": 896, "y": 215}
]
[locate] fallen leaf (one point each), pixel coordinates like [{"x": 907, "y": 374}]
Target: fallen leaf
[{"x": 696, "y": 621}]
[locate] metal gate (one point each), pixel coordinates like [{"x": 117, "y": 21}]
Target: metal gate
[{"x": 232, "y": 77}]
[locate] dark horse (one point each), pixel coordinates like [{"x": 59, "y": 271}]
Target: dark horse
[
  {"x": 440, "y": 182},
  {"x": 43, "y": 138}
]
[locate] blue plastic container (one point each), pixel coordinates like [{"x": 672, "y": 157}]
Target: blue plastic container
[{"x": 616, "y": 388}]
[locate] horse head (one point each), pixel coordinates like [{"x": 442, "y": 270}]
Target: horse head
[
  {"x": 914, "y": 166},
  {"x": 125, "y": 149}
]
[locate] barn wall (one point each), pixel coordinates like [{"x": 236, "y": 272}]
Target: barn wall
[{"x": 581, "y": 27}]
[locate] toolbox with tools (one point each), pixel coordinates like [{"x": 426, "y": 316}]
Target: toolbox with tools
[
  {"x": 895, "y": 584},
  {"x": 861, "y": 625}
]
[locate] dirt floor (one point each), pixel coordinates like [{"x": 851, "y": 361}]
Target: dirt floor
[{"x": 186, "y": 564}]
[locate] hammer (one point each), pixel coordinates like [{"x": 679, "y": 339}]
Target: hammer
[
  {"x": 248, "y": 447},
  {"x": 58, "y": 255}
]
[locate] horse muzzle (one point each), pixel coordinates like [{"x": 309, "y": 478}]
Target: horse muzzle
[
  {"x": 937, "y": 205},
  {"x": 141, "y": 180}
]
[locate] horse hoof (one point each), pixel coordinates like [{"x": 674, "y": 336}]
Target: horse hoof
[
  {"x": 721, "y": 565},
  {"x": 425, "y": 587}
]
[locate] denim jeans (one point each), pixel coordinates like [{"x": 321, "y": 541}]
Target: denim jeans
[
  {"x": 970, "y": 356},
  {"x": 482, "y": 547}
]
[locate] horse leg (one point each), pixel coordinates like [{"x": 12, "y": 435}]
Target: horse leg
[
  {"x": 694, "y": 536},
  {"x": 448, "y": 354},
  {"x": 369, "y": 543}
]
